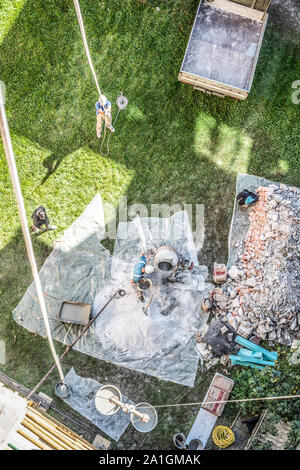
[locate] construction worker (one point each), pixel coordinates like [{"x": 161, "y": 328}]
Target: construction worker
[
  {"x": 39, "y": 219},
  {"x": 103, "y": 112},
  {"x": 138, "y": 270},
  {"x": 247, "y": 197}
]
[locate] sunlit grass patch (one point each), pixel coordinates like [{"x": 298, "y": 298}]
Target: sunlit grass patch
[
  {"x": 9, "y": 10},
  {"x": 229, "y": 147}
]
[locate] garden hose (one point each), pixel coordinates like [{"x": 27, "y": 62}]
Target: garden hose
[{"x": 223, "y": 436}]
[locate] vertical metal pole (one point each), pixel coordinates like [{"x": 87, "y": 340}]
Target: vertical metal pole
[{"x": 8, "y": 149}]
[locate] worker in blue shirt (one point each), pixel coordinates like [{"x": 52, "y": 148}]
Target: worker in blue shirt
[
  {"x": 103, "y": 112},
  {"x": 139, "y": 269},
  {"x": 247, "y": 197}
]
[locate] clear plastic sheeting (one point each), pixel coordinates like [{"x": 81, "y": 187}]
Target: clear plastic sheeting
[
  {"x": 155, "y": 336},
  {"x": 143, "y": 234},
  {"x": 82, "y": 399}
]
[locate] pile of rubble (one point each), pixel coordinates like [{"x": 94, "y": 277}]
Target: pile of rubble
[{"x": 262, "y": 293}]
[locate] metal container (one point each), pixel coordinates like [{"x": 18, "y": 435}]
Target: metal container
[
  {"x": 166, "y": 259},
  {"x": 144, "y": 284},
  {"x": 75, "y": 312}
]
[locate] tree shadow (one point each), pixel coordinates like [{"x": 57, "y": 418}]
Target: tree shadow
[
  {"x": 45, "y": 99},
  {"x": 155, "y": 134},
  {"x": 23, "y": 349}
]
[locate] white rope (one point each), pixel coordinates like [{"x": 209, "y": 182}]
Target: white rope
[
  {"x": 121, "y": 102},
  {"x": 22, "y": 214},
  {"x": 86, "y": 47},
  {"x": 240, "y": 400}
]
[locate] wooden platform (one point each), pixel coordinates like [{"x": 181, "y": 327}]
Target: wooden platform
[
  {"x": 223, "y": 49},
  {"x": 39, "y": 399},
  {"x": 238, "y": 9}
]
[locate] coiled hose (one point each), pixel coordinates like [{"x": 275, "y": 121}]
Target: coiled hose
[{"x": 223, "y": 436}]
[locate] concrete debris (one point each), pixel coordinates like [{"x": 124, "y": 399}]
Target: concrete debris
[
  {"x": 205, "y": 351},
  {"x": 224, "y": 359},
  {"x": 262, "y": 294},
  {"x": 295, "y": 348},
  {"x": 235, "y": 273},
  {"x": 217, "y": 341},
  {"x": 212, "y": 363},
  {"x": 230, "y": 337}
]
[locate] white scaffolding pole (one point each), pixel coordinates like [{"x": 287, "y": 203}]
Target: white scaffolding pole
[{"x": 8, "y": 149}]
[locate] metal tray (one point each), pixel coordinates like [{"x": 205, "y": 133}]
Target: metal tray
[{"x": 75, "y": 312}]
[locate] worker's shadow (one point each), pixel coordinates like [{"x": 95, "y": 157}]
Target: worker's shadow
[
  {"x": 61, "y": 150},
  {"x": 51, "y": 163}
]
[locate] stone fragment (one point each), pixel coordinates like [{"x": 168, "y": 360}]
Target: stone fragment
[
  {"x": 230, "y": 337},
  {"x": 233, "y": 293},
  {"x": 224, "y": 329},
  {"x": 233, "y": 322},
  {"x": 224, "y": 359},
  {"x": 235, "y": 273},
  {"x": 212, "y": 363},
  {"x": 272, "y": 335},
  {"x": 251, "y": 282},
  {"x": 244, "y": 331},
  {"x": 204, "y": 351}
]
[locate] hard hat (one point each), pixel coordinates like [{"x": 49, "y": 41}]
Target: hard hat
[
  {"x": 102, "y": 99},
  {"x": 149, "y": 269}
]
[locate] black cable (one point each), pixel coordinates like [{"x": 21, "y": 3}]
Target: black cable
[{"x": 73, "y": 420}]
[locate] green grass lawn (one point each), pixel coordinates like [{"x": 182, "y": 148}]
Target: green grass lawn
[{"x": 172, "y": 145}]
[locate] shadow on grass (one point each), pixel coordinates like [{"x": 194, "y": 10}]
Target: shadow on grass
[
  {"x": 139, "y": 51},
  {"x": 23, "y": 349}
]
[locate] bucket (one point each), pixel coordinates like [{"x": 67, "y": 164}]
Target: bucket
[{"x": 144, "y": 284}]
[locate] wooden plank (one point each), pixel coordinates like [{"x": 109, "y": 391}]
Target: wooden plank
[
  {"x": 211, "y": 85},
  {"x": 205, "y": 420},
  {"x": 264, "y": 19},
  {"x": 24, "y": 391},
  {"x": 237, "y": 9},
  {"x": 252, "y": 359},
  {"x": 57, "y": 427},
  {"x": 271, "y": 355},
  {"x": 247, "y": 364},
  {"x": 256, "y": 429}
]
